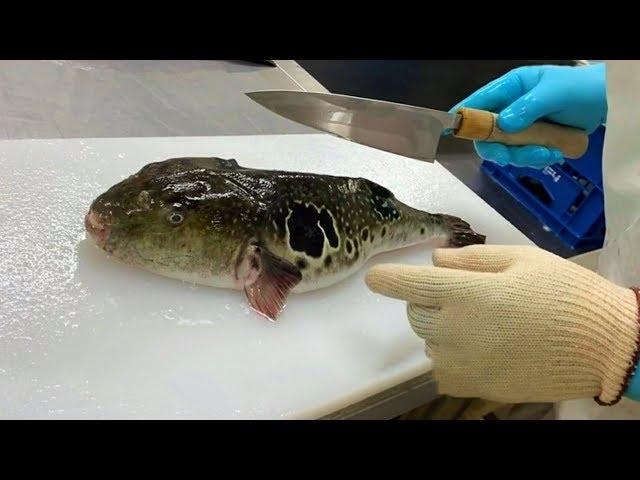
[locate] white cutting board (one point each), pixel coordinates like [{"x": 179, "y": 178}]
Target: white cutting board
[{"x": 82, "y": 336}]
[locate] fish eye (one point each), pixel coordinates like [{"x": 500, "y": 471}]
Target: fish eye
[{"x": 176, "y": 218}]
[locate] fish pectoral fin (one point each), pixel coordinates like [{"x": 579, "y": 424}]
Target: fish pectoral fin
[{"x": 268, "y": 280}]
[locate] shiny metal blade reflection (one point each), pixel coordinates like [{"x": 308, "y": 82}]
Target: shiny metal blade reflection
[{"x": 402, "y": 129}]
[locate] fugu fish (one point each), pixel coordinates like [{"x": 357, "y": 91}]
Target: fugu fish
[{"x": 211, "y": 221}]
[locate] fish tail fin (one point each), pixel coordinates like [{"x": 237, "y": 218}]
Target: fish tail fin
[{"x": 459, "y": 233}]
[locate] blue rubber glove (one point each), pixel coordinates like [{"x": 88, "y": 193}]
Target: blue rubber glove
[{"x": 573, "y": 96}]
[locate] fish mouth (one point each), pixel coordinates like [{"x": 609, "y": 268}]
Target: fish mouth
[{"x": 96, "y": 228}]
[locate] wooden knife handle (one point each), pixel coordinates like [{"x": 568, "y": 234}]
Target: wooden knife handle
[{"x": 482, "y": 125}]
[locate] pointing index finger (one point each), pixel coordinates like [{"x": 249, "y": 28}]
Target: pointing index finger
[{"x": 429, "y": 286}]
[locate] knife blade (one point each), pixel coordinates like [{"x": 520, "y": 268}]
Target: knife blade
[{"x": 408, "y": 130}]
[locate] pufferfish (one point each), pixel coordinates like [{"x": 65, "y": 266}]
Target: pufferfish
[{"x": 213, "y": 222}]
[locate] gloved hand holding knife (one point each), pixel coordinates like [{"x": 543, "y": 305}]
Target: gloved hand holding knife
[
  {"x": 504, "y": 323},
  {"x": 572, "y": 96},
  {"x": 515, "y": 323}
]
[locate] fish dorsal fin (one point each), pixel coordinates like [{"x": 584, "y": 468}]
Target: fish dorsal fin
[
  {"x": 378, "y": 190},
  {"x": 267, "y": 280}
]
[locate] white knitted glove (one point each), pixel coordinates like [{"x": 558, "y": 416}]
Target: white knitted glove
[{"x": 517, "y": 324}]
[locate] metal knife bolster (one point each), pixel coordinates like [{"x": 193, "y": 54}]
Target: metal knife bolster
[{"x": 457, "y": 118}]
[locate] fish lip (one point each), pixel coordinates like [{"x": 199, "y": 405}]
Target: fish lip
[{"x": 96, "y": 229}]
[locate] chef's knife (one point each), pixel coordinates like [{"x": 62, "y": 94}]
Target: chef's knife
[{"x": 408, "y": 130}]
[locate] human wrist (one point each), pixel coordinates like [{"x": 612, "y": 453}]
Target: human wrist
[{"x": 622, "y": 352}]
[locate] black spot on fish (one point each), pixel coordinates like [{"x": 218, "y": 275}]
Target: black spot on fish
[
  {"x": 304, "y": 233},
  {"x": 327, "y": 225},
  {"x": 422, "y": 231},
  {"x": 327, "y": 261},
  {"x": 382, "y": 200},
  {"x": 384, "y": 211},
  {"x": 365, "y": 234},
  {"x": 301, "y": 263},
  {"x": 373, "y": 237},
  {"x": 280, "y": 225},
  {"x": 383, "y": 232},
  {"x": 349, "y": 246},
  {"x": 355, "y": 243},
  {"x": 356, "y": 255}
]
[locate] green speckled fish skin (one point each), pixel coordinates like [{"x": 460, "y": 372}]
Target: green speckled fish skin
[{"x": 202, "y": 219}]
